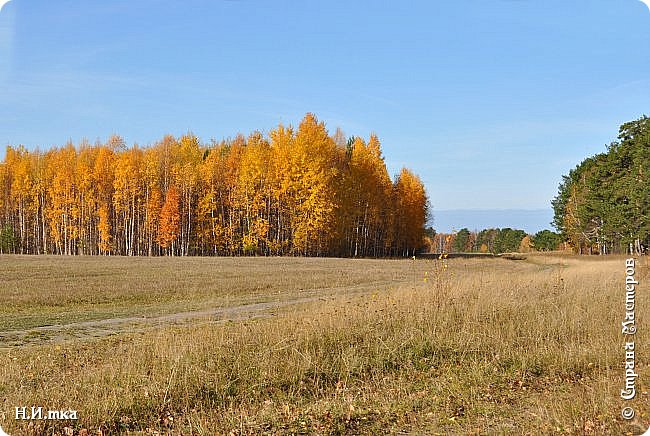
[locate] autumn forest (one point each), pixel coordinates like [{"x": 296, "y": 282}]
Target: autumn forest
[{"x": 293, "y": 192}]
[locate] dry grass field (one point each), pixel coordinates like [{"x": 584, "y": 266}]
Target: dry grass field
[{"x": 199, "y": 346}]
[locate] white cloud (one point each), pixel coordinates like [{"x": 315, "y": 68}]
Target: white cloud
[{"x": 3, "y": 3}]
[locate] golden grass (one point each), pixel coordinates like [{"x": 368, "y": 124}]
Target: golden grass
[
  {"x": 45, "y": 290},
  {"x": 483, "y": 346}
]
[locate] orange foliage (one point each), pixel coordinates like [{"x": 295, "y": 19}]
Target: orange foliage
[
  {"x": 169, "y": 220},
  {"x": 296, "y": 191}
]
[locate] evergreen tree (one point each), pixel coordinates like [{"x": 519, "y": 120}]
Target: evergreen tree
[
  {"x": 602, "y": 204},
  {"x": 461, "y": 242}
]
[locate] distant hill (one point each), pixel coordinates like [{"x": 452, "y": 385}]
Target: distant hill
[{"x": 530, "y": 220}]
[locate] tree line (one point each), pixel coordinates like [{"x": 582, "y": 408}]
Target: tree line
[
  {"x": 603, "y": 203},
  {"x": 292, "y": 192},
  {"x": 493, "y": 240}
]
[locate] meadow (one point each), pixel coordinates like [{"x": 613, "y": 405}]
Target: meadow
[{"x": 286, "y": 345}]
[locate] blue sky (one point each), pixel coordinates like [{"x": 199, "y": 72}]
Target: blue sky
[{"x": 489, "y": 101}]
